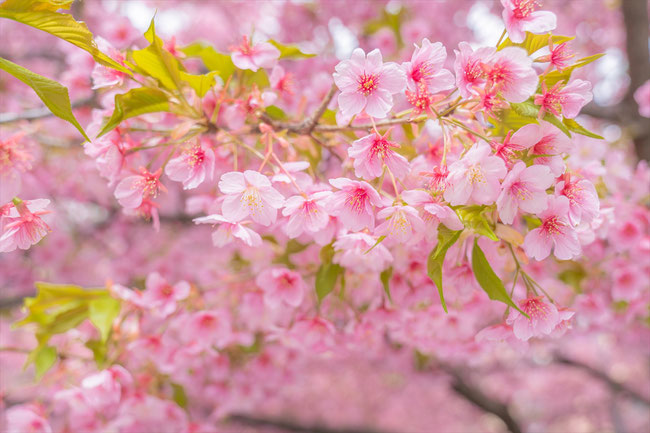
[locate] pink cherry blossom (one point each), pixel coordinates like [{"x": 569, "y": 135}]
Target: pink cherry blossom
[
  {"x": 281, "y": 286},
  {"x": 25, "y": 419},
  {"x": 468, "y": 67},
  {"x": 208, "y": 327},
  {"x": 306, "y": 214},
  {"x": 353, "y": 251},
  {"x": 353, "y": 204},
  {"x": 254, "y": 56},
  {"x": 228, "y": 230},
  {"x": 642, "y": 98},
  {"x": 524, "y": 188},
  {"x": 435, "y": 212},
  {"x": 567, "y": 100},
  {"x": 23, "y": 226},
  {"x": 558, "y": 56},
  {"x": 510, "y": 72},
  {"x": 366, "y": 83},
  {"x": 103, "y": 76},
  {"x": 162, "y": 296},
  {"x": 426, "y": 68},
  {"x": 194, "y": 166},
  {"x": 521, "y": 16},
  {"x": 544, "y": 139},
  {"x": 544, "y": 317},
  {"x": 403, "y": 224},
  {"x": 584, "y": 205},
  {"x": 249, "y": 194},
  {"x": 132, "y": 190},
  {"x": 474, "y": 179},
  {"x": 371, "y": 152},
  {"x": 555, "y": 232}
]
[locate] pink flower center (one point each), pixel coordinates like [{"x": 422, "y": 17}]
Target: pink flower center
[
  {"x": 521, "y": 191},
  {"x": 368, "y": 83},
  {"x": 150, "y": 185},
  {"x": 251, "y": 198},
  {"x": 167, "y": 291},
  {"x": 552, "y": 226},
  {"x": 473, "y": 70},
  {"x": 380, "y": 148},
  {"x": 572, "y": 191},
  {"x": 195, "y": 156},
  {"x": 421, "y": 72},
  {"x": 475, "y": 175},
  {"x": 523, "y": 8},
  {"x": 357, "y": 200},
  {"x": 535, "y": 308}
]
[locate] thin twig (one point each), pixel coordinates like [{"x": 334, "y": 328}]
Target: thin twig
[
  {"x": 289, "y": 425},
  {"x": 39, "y": 113}
]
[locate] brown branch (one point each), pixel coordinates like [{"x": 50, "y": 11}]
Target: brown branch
[
  {"x": 290, "y": 426},
  {"x": 475, "y": 396},
  {"x": 614, "y": 385},
  {"x": 39, "y": 113}
]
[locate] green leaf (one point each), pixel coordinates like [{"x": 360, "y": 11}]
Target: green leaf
[
  {"x": 43, "y": 15},
  {"x": 446, "y": 238},
  {"x": 533, "y": 42},
  {"x": 213, "y": 60},
  {"x": 525, "y": 109},
  {"x": 259, "y": 78},
  {"x": 179, "y": 396},
  {"x": 385, "y": 281},
  {"x": 550, "y": 118},
  {"x": 275, "y": 112},
  {"x": 99, "y": 350},
  {"x": 200, "y": 83},
  {"x": 134, "y": 103},
  {"x": 488, "y": 280},
  {"x": 157, "y": 62},
  {"x": 555, "y": 76},
  {"x": 288, "y": 51},
  {"x": 474, "y": 218},
  {"x": 579, "y": 129},
  {"x": 327, "y": 273},
  {"x": 44, "y": 359},
  {"x": 101, "y": 313},
  {"x": 54, "y": 95}
]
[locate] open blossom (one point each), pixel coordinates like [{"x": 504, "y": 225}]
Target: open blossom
[
  {"x": 584, "y": 205},
  {"x": 249, "y": 194},
  {"x": 25, "y": 419},
  {"x": 474, "y": 179},
  {"x": 642, "y": 98},
  {"x": 281, "y": 286},
  {"x": 209, "y": 327},
  {"x": 566, "y": 100},
  {"x": 524, "y": 188},
  {"x": 522, "y": 16},
  {"x": 366, "y": 83},
  {"x": 162, "y": 296},
  {"x": 132, "y": 190},
  {"x": 510, "y": 72},
  {"x": 194, "y": 166},
  {"x": 558, "y": 55},
  {"x": 254, "y": 56},
  {"x": 353, "y": 204},
  {"x": 353, "y": 251},
  {"x": 371, "y": 152},
  {"x": 468, "y": 67},
  {"x": 544, "y": 317},
  {"x": 555, "y": 233},
  {"x": 15, "y": 158},
  {"x": 403, "y": 224},
  {"x": 543, "y": 139},
  {"x": 23, "y": 227},
  {"x": 228, "y": 230},
  {"x": 306, "y": 214},
  {"x": 103, "y": 76},
  {"x": 435, "y": 212},
  {"x": 426, "y": 68}
]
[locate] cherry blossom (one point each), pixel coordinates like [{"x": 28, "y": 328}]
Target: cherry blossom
[
  {"x": 371, "y": 152},
  {"x": 133, "y": 190},
  {"x": 194, "y": 166},
  {"x": 23, "y": 226},
  {"x": 426, "y": 68},
  {"x": 524, "y": 188},
  {"x": 254, "y": 56},
  {"x": 353, "y": 203},
  {"x": 306, "y": 214},
  {"x": 565, "y": 99},
  {"x": 555, "y": 232},
  {"x": 584, "y": 205},
  {"x": 403, "y": 224},
  {"x": 522, "y": 16},
  {"x": 281, "y": 286},
  {"x": 367, "y": 83},
  {"x": 228, "y": 230},
  {"x": 249, "y": 194},
  {"x": 544, "y": 317}
]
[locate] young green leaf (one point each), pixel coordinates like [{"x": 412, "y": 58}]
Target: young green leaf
[
  {"x": 54, "y": 95},
  {"x": 533, "y": 42},
  {"x": 550, "y": 118},
  {"x": 200, "y": 83},
  {"x": 564, "y": 75},
  {"x": 446, "y": 238},
  {"x": 43, "y": 15},
  {"x": 155, "y": 61},
  {"x": 44, "y": 358},
  {"x": 488, "y": 280},
  {"x": 326, "y": 277},
  {"x": 179, "y": 396},
  {"x": 134, "y": 103},
  {"x": 385, "y": 281},
  {"x": 579, "y": 129},
  {"x": 288, "y": 51},
  {"x": 213, "y": 60},
  {"x": 102, "y": 312}
]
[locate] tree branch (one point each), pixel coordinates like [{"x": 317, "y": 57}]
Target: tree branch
[
  {"x": 475, "y": 396},
  {"x": 290, "y": 426},
  {"x": 39, "y": 113},
  {"x": 614, "y": 385}
]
